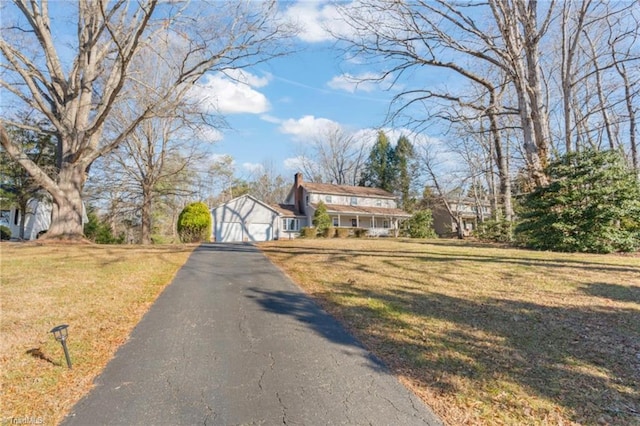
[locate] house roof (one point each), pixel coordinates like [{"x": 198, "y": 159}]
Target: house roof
[
  {"x": 284, "y": 209},
  {"x": 357, "y": 210},
  {"x": 362, "y": 191}
]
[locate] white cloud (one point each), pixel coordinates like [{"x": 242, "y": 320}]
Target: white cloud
[
  {"x": 295, "y": 163},
  {"x": 247, "y": 78},
  {"x": 316, "y": 20},
  {"x": 270, "y": 119},
  {"x": 209, "y": 134},
  {"x": 253, "y": 167},
  {"x": 350, "y": 83},
  {"x": 306, "y": 127},
  {"x": 224, "y": 95}
]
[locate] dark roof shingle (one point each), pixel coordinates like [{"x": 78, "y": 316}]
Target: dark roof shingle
[{"x": 362, "y": 191}]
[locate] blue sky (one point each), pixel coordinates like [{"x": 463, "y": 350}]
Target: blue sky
[{"x": 284, "y": 103}]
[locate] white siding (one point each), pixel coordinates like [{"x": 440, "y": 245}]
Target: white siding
[
  {"x": 244, "y": 219},
  {"x": 345, "y": 200}
]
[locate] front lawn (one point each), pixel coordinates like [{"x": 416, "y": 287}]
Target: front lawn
[
  {"x": 487, "y": 335},
  {"x": 101, "y": 292}
]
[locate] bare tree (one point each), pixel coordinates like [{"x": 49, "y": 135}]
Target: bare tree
[
  {"x": 269, "y": 186},
  {"x": 405, "y": 36},
  {"x": 335, "y": 156},
  {"x": 79, "y": 99}
]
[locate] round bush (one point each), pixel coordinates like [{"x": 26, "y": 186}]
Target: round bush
[
  {"x": 5, "y": 233},
  {"x": 194, "y": 223}
]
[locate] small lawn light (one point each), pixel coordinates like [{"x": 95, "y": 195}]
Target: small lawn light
[{"x": 60, "y": 333}]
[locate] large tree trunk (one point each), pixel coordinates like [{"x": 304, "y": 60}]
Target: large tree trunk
[{"x": 67, "y": 211}]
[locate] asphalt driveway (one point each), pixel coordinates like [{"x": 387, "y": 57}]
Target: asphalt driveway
[{"x": 232, "y": 341}]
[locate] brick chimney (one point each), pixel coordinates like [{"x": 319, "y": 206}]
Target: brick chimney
[{"x": 297, "y": 193}]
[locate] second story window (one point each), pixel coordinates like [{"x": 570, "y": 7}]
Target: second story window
[
  {"x": 327, "y": 199},
  {"x": 378, "y": 203},
  {"x": 354, "y": 201}
]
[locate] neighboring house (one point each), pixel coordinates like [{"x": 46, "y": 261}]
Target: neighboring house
[
  {"x": 248, "y": 219},
  {"x": 37, "y": 218},
  {"x": 468, "y": 210}
]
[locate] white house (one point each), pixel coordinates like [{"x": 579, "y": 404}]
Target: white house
[
  {"x": 248, "y": 219},
  {"x": 348, "y": 206},
  {"x": 37, "y": 218}
]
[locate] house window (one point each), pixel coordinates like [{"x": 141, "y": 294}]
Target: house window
[
  {"x": 327, "y": 199},
  {"x": 290, "y": 224},
  {"x": 379, "y": 203},
  {"x": 15, "y": 217},
  {"x": 354, "y": 201},
  {"x": 336, "y": 222},
  {"x": 307, "y": 200},
  {"x": 354, "y": 223},
  {"x": 385, "y": 224}
]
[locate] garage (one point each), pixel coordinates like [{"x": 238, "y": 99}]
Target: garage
[{"x": 244, "y": 219}]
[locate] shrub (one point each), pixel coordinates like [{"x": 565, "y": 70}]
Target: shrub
[
  {"x": 495, "y": 230},
  {"x": 420, "y": 225},
  {"x": 342, "y": 232},
  {"x": 592, "y": 204},
  {"x": 5, "y": 233},
  {"x": 321, "y": 219},
  {"x": 99, "y": 231},
  {"x": 360, "y": 232},
  {"x": 308, "y": 232},
  {"x": 194, "y": 223},
  {"x": 329, "y": 232}
]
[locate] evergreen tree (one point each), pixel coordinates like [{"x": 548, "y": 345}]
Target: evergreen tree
[
  {"x": 405, "y": 169},
  {"x": 194, "y": 223},
  {"x": 592, "y": 204},
  {"x": 379, "y": 171},
  {"x": 321, "y": 219}
]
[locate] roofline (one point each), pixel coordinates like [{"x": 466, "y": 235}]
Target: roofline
[
  {"x": 390, "y": 196},
  {"x": 248, "y": 196}
]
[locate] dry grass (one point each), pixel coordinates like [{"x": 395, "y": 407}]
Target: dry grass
[
  {"x": 487, "y": 335},
  {"x": 100, "y": 291}
]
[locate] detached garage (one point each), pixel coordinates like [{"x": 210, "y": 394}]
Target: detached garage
[{"x": 246, "y": 219}]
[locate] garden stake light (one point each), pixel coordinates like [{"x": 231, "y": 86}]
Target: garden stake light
[{"x": 60, "y": 333}]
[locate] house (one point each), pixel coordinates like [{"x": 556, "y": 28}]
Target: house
[
  {"x": 469, "y": 211},
  {"x": 37, "y": 218},
  {"x": 248, "y": 219},
  {"x": 348, "y": 206}
]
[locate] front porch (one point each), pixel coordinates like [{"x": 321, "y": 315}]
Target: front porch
[{"x": 377, "y": 226}]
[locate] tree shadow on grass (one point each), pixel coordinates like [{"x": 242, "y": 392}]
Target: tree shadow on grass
[
  {"x": 584, "y": 359},
  {"x": 616, "y": 292},
  {"x": 553, "y": 260}
]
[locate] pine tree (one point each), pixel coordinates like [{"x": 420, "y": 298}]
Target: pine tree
[
  {"x": 591, "y": 205},
  {"x": 405, "y": 171},
  {"x": 379, "y": 171}
]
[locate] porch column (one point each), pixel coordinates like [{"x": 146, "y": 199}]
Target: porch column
[{"x": 339, "y": 221}]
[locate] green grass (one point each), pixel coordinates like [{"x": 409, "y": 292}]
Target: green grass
[
  {"x": 100, "y": 291},
  {"x": 487, "y": 335}
]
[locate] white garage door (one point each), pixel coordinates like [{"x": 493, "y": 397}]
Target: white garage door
[
  {"x": 259, "y": 232},
  {"x": 229, "y": 232}
]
